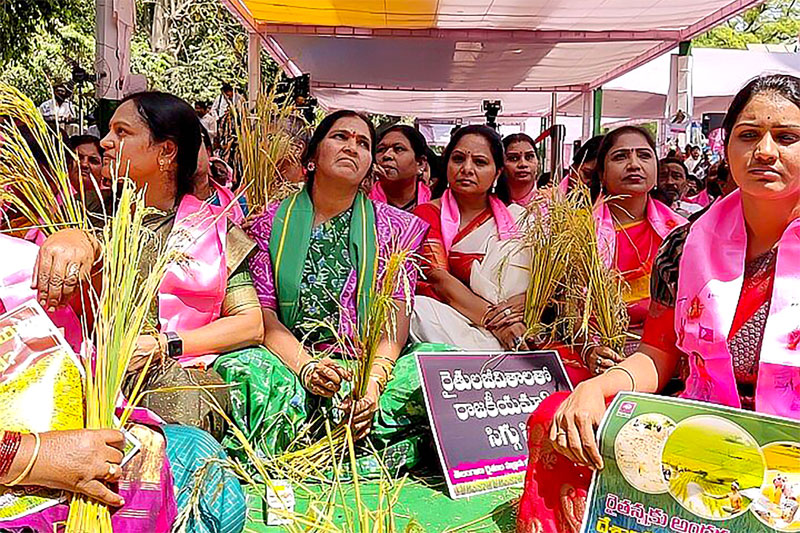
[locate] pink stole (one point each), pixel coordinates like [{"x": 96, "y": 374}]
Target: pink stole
[
  {"x": 528, "y": 198},
  {"x": 377, "y": 194},
  {"x": 709, "y": 286},
  {"x": 191, "y": 295},
  {"x": 16, "y": 272},
  {"x": 662, "y": 219},
  {"x": 702, "y": 199},
  {"x": 451, "y": 219}
]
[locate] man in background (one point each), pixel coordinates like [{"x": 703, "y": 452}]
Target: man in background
[
  {"x": 59, "y": 107},
  {"x": 207, "y": 118},
  {"x": 227, "y": 98}
]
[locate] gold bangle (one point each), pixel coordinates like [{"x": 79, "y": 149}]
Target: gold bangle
[
  {"x": 381, "y": 383},
  {"x": 630, "y": 375},
  {"x": 32, "y": 460}
]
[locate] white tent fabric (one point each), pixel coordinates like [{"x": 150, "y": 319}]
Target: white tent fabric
[
  {"x": 717, "y": 75},
  {"x": 467, "y": 48}
]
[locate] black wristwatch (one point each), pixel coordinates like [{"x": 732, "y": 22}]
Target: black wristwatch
[{"x": 174, "y": 344}]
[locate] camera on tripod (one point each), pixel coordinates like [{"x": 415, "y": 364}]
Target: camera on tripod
[{"x": 80, "y": 75}]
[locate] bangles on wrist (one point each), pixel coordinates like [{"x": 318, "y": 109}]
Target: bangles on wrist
[
  {"x": 9, "y": 446},
  {"x": 630, "y": 375},
  {"x": 31, "y": 461},
  {"x": 305, "y": 372}
]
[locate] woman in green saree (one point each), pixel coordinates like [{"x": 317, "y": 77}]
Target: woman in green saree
[{"x": 318, "y": 252}]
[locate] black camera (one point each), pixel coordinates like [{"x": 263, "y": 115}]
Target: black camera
[
  {"x": 492, "y": 108},
  {"x": 79, "y": 75}
]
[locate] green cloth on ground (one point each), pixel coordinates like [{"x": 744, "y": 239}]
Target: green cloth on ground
[
  {"x": 423, "y": 502},
  {"x": 271, "y": 407}
]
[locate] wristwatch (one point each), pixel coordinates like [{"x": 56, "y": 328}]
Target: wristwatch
[{"x": 174, "y": 344}]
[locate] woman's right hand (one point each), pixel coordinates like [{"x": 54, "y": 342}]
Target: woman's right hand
[
  {"x": 326, "y": 378},
  {"x": 81, "y": 461},
  {"x": 65, "y": 260},
  {"x": 512, "y": 337},
  {"x": 575, "y": 422}
]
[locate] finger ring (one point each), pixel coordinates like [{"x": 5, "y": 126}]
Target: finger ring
[
  {"x": 73, "y": 269},
  {"x": 518, "y": 341},
  {"x": 113, "y": 470},
  {"x": 507, "y": 311},
  {"x": 561, "y": 433}
]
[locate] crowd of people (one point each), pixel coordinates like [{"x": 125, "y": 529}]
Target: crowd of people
[{"x": 274, "y": 289}]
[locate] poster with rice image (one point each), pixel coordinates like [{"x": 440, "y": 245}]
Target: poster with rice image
[
  {"x": 680, "y": 466},
  {"x": 41, "y": 388},
  {"x": 478, "y": 405}
]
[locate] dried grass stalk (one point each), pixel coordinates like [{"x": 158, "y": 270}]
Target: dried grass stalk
[
  {"x": 596, "y": 289},
  {"x": 264, "y": 143},
  {"x": 547, "y": 232},
  {"x": 43, "y": 196}
]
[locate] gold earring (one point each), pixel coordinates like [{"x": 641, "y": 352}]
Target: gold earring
[{"x": 161, "y": 165}]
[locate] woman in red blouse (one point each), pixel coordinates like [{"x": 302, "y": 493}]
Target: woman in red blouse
[{"x": 725, "y": 296}]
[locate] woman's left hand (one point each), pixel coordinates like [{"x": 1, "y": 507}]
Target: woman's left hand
[
  {"x": 361, "y": 412},
  {"x": 505, "y": 313},
  {"x": 65, "y": 261},
  {"x": 601, "y": 358},
  {"x": 148, "y": 348}
]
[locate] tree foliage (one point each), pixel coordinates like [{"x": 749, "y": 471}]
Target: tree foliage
[
  {"x": 21, "y": 18},
  {"x": 203, "y": 47},
  {"x": 773, "y": 22}
]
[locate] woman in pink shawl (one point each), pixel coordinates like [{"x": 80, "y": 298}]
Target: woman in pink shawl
[
  {"x": 517, "y": 184},
  {"x": 725, "y": 297},
  {"x": 475, "y": 276},
  {"x": 630, "y": 224}
]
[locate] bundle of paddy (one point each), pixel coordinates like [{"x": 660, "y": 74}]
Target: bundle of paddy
[
  {"x": 120, "y": 314},
  {"x": 307, "y": 458},
  {"x": 39, "y": 193},
  {"x": 264, "y": 144},
  {"x": 596, "y": 309},
  {"x": 548, "y": 233}
]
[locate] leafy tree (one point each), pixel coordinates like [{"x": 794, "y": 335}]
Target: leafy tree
[
  {"x": 21, "y": 18},
  {"x": 773, "y": 22},
  {"x": 203, "y": 46},
  {"x": 50, "y": 49}
]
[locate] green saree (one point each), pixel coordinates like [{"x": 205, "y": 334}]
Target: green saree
[{"x": 320, "y": 287}]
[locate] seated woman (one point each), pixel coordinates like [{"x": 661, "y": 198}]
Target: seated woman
[
  {"x": 517, "y": 183},
  {"x": 318, "y": 252},
  {"x": 738, "y": 259},
  {"x": 401, "y": 159},
  {"x": 206, "y": 306},
  {"x": 88, "y": 461},
  {"x": 475, "y": 277},
  {"x": 630, "y": 224}
]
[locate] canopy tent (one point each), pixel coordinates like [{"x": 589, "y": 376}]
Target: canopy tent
[
  {"x": 717, "y": 75},
  {"x": 442, "y": 58}
]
